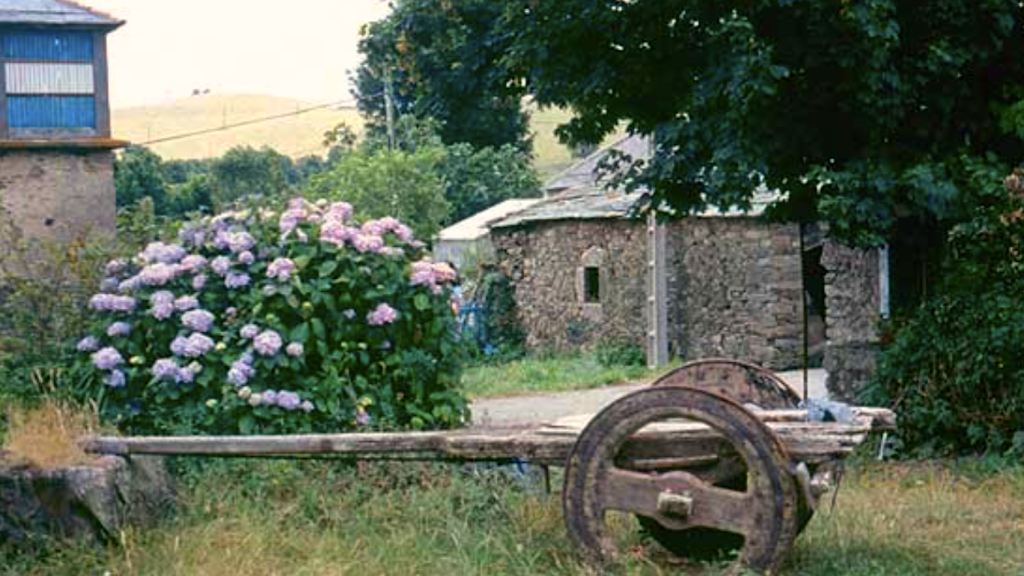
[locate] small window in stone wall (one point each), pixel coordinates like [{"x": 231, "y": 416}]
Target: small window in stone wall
[{"x": 592, "y": 285}]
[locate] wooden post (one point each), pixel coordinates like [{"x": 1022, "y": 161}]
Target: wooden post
[
  {"x": 657, "y": 293},
  {"x": 101, "y": 84}
]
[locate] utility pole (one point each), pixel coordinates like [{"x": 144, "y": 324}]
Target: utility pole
[
  {"x": 389, "y": 108},
  {"x": 657, "y": 286}
]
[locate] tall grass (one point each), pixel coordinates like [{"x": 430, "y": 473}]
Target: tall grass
[{"x": 287, "y": 518}]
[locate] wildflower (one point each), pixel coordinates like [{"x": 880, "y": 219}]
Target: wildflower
[
  {"x": 281, "y": 269},
  {"x": 236, "y": 281},
  {"x": 382, "y": 316},
  {"x": 249, "y": 331},
  {"x": 199, "y": 282},
  {"x": 268, "y": 343},
  {"x": 198, "y": 320},
  {"x": 246, "y": 258},
  {"x": 295, "y": 350},
  {"x": 119, "y": 329},
  {"x": 112, "y": 303},
  {"x": 186, "y": 303},
  {"x": 88, "y": 344},
  {"x": 221, "y": 265},
  {"x": 166, "y": 370},
  {"x": 107, "y": 359},
  {"x": 115, "y": 379}
]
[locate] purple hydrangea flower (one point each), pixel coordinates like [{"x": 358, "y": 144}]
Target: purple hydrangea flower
[
  {"x": 282, "y": 269},
  {"x": 195, "y": 346},
  {"x": 288, "y": 400},
  {"x": 363, "y": 418},
  {"x": 250, "y": 331},
  {"x": 115, "y": 379},
  {"x": 246, "y": 258},
  {"x": 199, "y": 282},
  {"x": 112, "y": 303},
  {"x": 186, "y": 303},
  {"x": 166, "y": 370},
  {"x": 334, "y": 232},
  {"x": 162, "y": 311},
  {"x": 295, "y": 350},
  {"x": 339, "y": 211},
  {"x": 161, "y": 297},
  {"x": 107, "y": 359},
  {"x": 270, "y": 397},
  {"x": 432, "y": 275},
  {"x": 179, "y": 345},
  {"x": 158, "y": 252},
  {"x": 307, "y": 406},
  {"x": 119, "y": 329},
  {"x": 235, "y": 281},
  {"x": 130, "y": 285},
  {"x": 382, "y": 315},
  {"x": 193, "y": 264},
  {"x": 240, "y": 373},
  {"x": 268, "y": 343},
  {"x": 241, "y": 242},
  {"x": 221, "y": 265},
  {"x": 350, "y": 314},
  {"x": 198, "y": 320},
  {"x": 159, "y": 274},
  {"x": 88, "y": 344}
]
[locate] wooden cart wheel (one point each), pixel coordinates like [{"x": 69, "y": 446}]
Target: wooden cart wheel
[
  {"x": 744, "y": 383},
  {"x": 764, "y": 514},
  {"x": 739, "y": 381}
]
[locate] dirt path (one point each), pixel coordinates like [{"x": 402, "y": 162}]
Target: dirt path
[{"x": 525, "y": 410}]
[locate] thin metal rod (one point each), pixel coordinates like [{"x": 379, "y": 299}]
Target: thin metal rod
[{"x": 803, "y": 296}]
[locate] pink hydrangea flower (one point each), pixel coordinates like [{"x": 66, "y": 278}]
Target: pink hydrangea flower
[
  {"x": 382, "y": 316},
  {"x": 295, "y": 350},
  {"x": 198, "y": 320},
  {"x": 267, "y": 343},
  {"x": 107, "y": 359},
  {"x": 281, "y": 269}
]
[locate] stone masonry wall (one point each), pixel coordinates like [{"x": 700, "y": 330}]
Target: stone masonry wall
[
  {"x": 544, "y": 261},
  {"x": 853, "y": 297},
  {"x": 735, "y": 287},
  {"x": 59, "y": 195}
]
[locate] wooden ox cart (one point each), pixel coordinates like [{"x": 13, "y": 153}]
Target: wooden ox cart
[{"x": 714, "y": 455}]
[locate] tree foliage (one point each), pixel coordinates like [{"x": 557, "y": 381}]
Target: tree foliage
[
  {"x": 475, "y": 180},
  {"x": 862, "y": 112},
  {"x": 245, "y": 171},
  {"x": 445, "y": 60},
  {"x": 138, "y": 173}
]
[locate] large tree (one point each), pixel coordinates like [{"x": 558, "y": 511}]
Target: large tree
[
  {"x": 444, "y": 60},
  {"x": 862, "y": 111}
]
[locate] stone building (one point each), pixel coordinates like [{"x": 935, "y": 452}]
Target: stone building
[
  {"x": 734, "y": 284},
  {"x": 56, "y": 150}
]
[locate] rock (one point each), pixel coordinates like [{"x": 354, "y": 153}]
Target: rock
[{"x": 92, "y": 503}]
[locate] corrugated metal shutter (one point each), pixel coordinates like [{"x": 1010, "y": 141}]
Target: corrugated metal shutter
[
  {"x": 51, "y": 111},
  {"x": 48, "y": 46},
  {"x": 45, "y": 78}
]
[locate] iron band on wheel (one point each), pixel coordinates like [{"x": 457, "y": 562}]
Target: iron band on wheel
[
  {"x": 741, "y": 382},
  {"x": 765, "y": 512}
]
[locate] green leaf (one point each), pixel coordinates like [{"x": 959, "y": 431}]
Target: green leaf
[
  {"x": 300, "y": 333},
  {"x": 247, "y": 424},
  {"x": 421, "y": 302},
  {"x": 328, "y": 268}
]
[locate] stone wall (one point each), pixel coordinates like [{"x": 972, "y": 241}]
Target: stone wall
[
  {"x": 853, "y": 297},
  {"x": 734, "y": 286},
  {"x": 734, "y": 290},
  {"x": 545, "y": 261},
  {"x": 59, "y": 195}
]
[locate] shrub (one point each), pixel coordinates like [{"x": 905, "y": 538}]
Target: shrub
[
  {"x": 955, "y": 372},
  {"x": 258, "y": 323},
  {"x": 611, "y": 353}
]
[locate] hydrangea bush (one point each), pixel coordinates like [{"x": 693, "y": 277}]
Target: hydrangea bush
[{"x": 256, "y": 322}]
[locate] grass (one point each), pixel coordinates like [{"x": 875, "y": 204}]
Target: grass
[
  {"x": 47, "y": 436},
  {"x": 539, "y": 375},
  {"x": 271, "y": 518}
]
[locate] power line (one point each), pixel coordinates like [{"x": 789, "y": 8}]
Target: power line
[{"x": 340, "y": 105}]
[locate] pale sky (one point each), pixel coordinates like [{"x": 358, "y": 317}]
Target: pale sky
[{"x": 295, "y": 48}]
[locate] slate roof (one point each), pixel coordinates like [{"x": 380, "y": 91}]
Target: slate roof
[
  {"x": 54, "y": 13},
  {"x": 580, "y": 194}
]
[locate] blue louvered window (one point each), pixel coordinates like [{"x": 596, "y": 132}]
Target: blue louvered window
[
  {"x": 50, "y": 80},
  {"x": 49, "y": 46}
]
